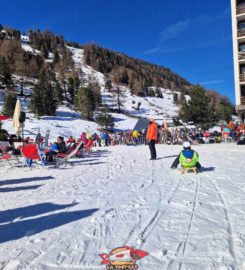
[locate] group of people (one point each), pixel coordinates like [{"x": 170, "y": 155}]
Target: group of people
[
  {"x": 151, "y": 135},
  {"x": 188, "y": 158}
]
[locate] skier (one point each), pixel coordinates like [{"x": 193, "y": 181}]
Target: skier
[
  {"x": 188, "y": 158},
  {"x": 151, "y": 136}
]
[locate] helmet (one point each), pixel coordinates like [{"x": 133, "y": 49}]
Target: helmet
[{"x": 186, "y": 145}]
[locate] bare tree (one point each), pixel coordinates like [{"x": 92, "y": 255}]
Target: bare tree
[{"x": 118, "y": 95}]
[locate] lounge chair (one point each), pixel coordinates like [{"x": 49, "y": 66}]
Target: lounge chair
[
  {"x": 64, "y": 159},
  {"x": 31, "y": 153}
]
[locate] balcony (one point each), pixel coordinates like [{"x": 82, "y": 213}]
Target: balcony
[
  {"x": 241, "y": 32},
  {"x": 242, "y": 77},
  {"x": 240, "y": 9},
  {"x": 241, "y": 56},
  {"x": 242, "y": 100}
]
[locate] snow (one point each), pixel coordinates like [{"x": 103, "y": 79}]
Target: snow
[
  {"x": 28, "y": 48},
  {"x": 63, "y": 218},
  {"x": 151, "y": 107},
  {"x": 65, "y": 123},
  {"x": 24, "y": 38}
]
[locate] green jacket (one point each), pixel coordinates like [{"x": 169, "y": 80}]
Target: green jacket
[{"x": 188, "y": 162}]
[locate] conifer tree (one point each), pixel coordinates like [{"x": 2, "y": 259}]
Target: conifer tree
[
  {"x": 105, "y": 120},
  {"x": 85, "y": 102},
  {"x": 118, "y": 97},
  {"x": 225, "y": 109},
  {"x": 73, "y": 87},
  {"x": 175, "y": 98},
  {"x": 108, "y": 85},
  {"x": 70, "y": 89},
  {"x": 198, "y": 109},
  {"x": 5, "y": 73},
  {"x": 9, "y": 104},
  {"x": 43, "y": 99}
]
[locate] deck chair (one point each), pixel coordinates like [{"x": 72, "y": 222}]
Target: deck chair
[
  {"x": 31, "y": 153},
  {"x": 4, "y": 145},
  {"x": 5, "y": 156},
  {"x": 87, "y": 148},
  {"x": 6, "y": 159},
  {"x": 64, "y": 159}
]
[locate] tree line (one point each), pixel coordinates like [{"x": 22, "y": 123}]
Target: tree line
[
  {"x": 58, "y": 81},
  {"x": 137, "y": 74}
]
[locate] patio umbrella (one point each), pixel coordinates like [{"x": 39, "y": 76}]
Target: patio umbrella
[{"x": 16, "y": 118}]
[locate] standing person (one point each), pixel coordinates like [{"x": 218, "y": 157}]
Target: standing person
[
  {"x": 106, "y": 138},
  {"x": 151, "y": 136},
  {"x": 84, "y": 139},
  {"x": 135, "y": 136},
  {"x": 144, "y": 136}
]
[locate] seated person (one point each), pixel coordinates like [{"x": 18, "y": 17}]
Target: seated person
[
  {"x": 71, "y": 140},
  {"x": 54, "y": 147},
  {"x": 188, "y": 158},
  {"x": 71, "y": 144},
  {"x": 58, "y": 147},
  {"x": 241, "y": 141}
]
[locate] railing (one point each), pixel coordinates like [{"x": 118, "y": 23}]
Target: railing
[
  {"x": 241, "y": 55},
  {"x": 240, "y": 9},
  {"x": 242, "y": 100},
  {"x": 242, "y": 77},
  {"x": 241, "y": 32}
]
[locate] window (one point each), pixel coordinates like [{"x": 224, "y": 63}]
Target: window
[
  {"x": 242, "y": 47},
  {"x": 241, "y": 25},
  {"x": 242, "y": 69},
  {"x": 240, "y": 2},
  {"x": 243, "y": 91}
]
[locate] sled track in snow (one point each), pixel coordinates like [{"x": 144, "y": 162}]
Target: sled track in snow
[
  {"x": 192, "y": 216},
  {"x": 184, "y": 243},
  {"x": 147, "y": 231},
  {"x": 229, "y": 224}
]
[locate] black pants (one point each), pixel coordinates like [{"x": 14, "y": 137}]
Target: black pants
[
  {"x": 50, "y": 156},
  {"x": 176, "y": 163},
  {"x": 152, "y": 149}
]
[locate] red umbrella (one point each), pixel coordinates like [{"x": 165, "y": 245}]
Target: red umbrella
[{"x": 4, "y": 117}]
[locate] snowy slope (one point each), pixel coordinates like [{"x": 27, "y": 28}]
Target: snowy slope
[
  {"x": 63, "y": 218},
  {"x": 150, "y": 106},
  {"x": 67, "y": 122}
]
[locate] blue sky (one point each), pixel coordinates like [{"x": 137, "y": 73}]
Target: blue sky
[{"x": 193, "y": 38}]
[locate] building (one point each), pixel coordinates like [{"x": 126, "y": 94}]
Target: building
[{"x": 238, "y": 29}]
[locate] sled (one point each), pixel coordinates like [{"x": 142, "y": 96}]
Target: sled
[{"x": 186, "y": 169}]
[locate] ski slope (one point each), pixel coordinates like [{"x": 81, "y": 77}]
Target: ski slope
[{"x": 63, "y": 218}]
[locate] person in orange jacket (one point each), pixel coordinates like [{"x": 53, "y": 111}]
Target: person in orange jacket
[
  {"x": 151, "y": 136},
  {"x": 231, "y": 125}
]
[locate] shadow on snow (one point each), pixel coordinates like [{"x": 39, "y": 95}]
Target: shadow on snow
[
  {"x": 19, "y": 229},
  {"x": 24, "y": 180}
]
